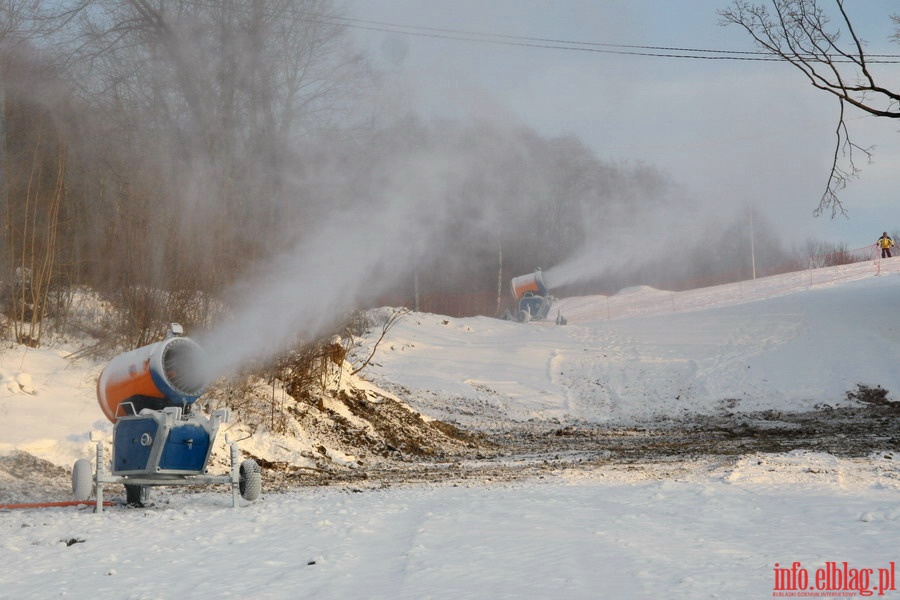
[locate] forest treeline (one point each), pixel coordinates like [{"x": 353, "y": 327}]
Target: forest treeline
[{"x": 162, "y": 152}]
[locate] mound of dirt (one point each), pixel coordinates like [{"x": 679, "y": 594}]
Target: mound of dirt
[
  {"x": 345, "y": 429},
  {"x": 27, "y": 478}
]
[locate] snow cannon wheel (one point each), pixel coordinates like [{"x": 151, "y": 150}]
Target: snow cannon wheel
[
  {"x": 250, "y": 484},
  {"x": 82, "y": 479},
  {"x": 523, "y": 316}
]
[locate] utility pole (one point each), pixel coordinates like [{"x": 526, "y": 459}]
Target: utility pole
[
  {"x": 499, "y": 275},
  {"x": 5, "y": 242},
  {"x": 752, "y": 244}
]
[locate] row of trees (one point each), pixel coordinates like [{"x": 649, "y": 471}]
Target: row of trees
[{"x": 149, "y": 144}]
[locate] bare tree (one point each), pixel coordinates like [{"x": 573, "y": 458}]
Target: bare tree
[
  {"x": 13, "y": 13},
  {"x": 815, "y": 253},
  {"x": 800, "y": 33},
  {"x": 34, "y": 166}
]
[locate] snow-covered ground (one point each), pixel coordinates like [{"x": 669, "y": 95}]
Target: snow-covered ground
[
  {"x": 786, "y": 343},
  {"x": 713, "y": 527}
]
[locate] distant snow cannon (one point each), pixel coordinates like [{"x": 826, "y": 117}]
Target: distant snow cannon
[
  {"x": 533, "y": 297},
  {"x": 159, "y": 437}
]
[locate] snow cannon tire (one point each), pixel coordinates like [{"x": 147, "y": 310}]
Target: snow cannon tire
[
  {"x": 250, "y": 484},
  {"x": 82, "y": 479},
  {"x": 523, "y": 317}
]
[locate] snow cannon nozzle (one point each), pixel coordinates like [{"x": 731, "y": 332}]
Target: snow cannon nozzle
[
  {"x": 173, "y": 372},
  {"x": 533, "y": 282}
]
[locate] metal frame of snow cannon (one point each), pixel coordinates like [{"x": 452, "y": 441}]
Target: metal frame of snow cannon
[
  {"x": 532, "y": 296},
  {"x": 244, "y": 478},
  {"x": 157, "y": 439}
]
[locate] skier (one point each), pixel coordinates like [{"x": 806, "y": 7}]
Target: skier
[{"x": 885, "y": 243}]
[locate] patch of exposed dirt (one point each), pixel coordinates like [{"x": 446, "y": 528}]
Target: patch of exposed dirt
[
  {"x": 405, "y": 430},
  {"x": 850, "y": 431},
  {"x": 534, "y": 449},
  {"x": 420, "y": 450}
]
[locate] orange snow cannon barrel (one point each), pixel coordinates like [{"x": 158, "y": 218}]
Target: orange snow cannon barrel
[
  {"x": 168, "y": 373},
  {"x": 533, "y": 282}
]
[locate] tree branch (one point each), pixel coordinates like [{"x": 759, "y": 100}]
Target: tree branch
[
  {"x": 387, "y": 326},
  {"x": 798, "y": 33}
]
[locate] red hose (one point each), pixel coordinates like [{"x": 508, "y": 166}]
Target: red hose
[{"x": 53, "y": 504}]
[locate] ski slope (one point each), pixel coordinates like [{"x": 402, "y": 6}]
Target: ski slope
[{"x": 789, "y": 342}]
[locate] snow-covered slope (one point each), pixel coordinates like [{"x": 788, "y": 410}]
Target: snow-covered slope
[{"x": 780, "y": 343}]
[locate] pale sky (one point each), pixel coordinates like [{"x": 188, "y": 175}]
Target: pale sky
[{"x": 731, "y": 132}]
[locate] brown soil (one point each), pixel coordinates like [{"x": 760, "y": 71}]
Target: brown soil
[{"x": 411, "y": 449}]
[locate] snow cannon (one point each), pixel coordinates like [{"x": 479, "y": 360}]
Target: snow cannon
[
  {"x": 160, "y": 436},
  {"x": 167, "y": 373},
  {"x": 533, "y": 296},
  {"x": 533, "y": 282}
]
